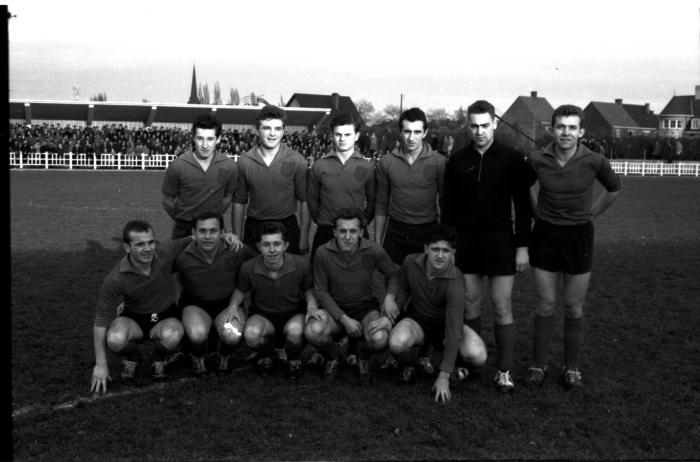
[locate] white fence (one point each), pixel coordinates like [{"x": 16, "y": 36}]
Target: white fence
[
  {"x": 656, "y": 168},
  {"x": 71, "y": 161}
]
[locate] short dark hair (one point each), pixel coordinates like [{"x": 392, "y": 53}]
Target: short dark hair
[
  {"x": 135, "y": 226},
  {"x": 413, "y": 115},
  {"x": 271, "y": 227},
  {"x": 441, "y": 233},
  {"x": 481, "y": 107},
  {"x": 566, "y": 110},
  {"x": 207, "y": 121},
  {"x": 270, "y": 112},
  {"x": 343, "y": 118},
  {"x": 206, "y": 215},
  {"x": 350, "y": 214}
]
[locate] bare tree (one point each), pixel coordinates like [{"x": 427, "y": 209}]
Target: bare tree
[
  {"x": 366, "y": 110},
  {"x": 203, "y": 93},
  {"x": 390, "y": 112},
  {"x": 437, "y": 114},
  {"x": 234, "y": 99},
  {"x": 99, "y": 97},
  {"x": 217, "y": 94}
]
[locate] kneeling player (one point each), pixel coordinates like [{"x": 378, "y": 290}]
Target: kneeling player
[
  {"x": 434, "y": 313},
  {"x": 141, "y": 292},
  {"x": 207, "y": 270},
  {"x": 275, "y": 280},
  {"x": 343, "y": 269}
]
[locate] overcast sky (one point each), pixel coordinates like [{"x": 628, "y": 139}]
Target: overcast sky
[{"x": 438, "y": 53}]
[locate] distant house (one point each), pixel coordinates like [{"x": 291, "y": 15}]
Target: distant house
[
  {"x": 529, "y": 115},
  {"x": 681, "y": 116},
  {"x": 609, "y": 120},
  {"x": 646, "y": 119},
  {"x": 334, "y": 102}
]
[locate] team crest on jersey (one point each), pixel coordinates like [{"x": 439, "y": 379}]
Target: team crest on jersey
[{"x": 154, "y": 317}]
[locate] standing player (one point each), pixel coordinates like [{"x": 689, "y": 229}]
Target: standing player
[
  {"x": 562, "y": 241},
  {"x": 137, "y": 302},
  {"x": 208, "y": 270},
  {"x": 434, "y": 314},
  {"x": 485, "y": 182},
  {"x": 199, "y": 180},
  {"x": 273, "y": 185},
  {"x": 343, "y": 269},
  {"x": 409, "y": 185},
  {"x": 341, "y": 179},
  {"x": 279, "y": 284}
]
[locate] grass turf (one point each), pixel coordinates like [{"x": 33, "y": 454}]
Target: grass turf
[{"x": 640, "y": 358}]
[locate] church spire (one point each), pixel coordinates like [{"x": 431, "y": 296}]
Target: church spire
[{"x": 193, "y": 91}]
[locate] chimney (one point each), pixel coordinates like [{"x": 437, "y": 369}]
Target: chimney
[
  {"x": 618, "y": 101},
  {"x": 533, "y": 94},
  {"x": 646, "y": 108},
  {"x": 335, "y": 101},
  {"x": 697, "y": 92}
]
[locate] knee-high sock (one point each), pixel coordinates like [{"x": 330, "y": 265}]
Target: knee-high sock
[
  {"x": 131, "y": 351},
  {"x": 363, "y": 349},
  {"x": 293, "y": 350},
  {"x": 330, "y": 350},
  {"x": 198, "y": 349},
  {"x": 573, "y": 337},
  {"x": 159, "y": 351},
  {"x": 408, "y": 357},
  {"x": 544, "y": 326},
  {"x": 505, "y": 342},
  {"x": 225, "y": 349}
]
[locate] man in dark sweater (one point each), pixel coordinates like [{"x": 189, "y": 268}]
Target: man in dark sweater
[{"x": 484, "y": 182}]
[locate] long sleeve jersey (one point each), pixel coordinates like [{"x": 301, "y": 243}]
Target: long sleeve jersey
[{"x": 482, "y": 190}]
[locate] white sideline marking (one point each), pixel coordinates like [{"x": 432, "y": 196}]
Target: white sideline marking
[{"x": 45, "y": 409}]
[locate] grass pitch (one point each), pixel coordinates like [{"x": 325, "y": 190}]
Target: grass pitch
[{"x": 640, "y": 357}]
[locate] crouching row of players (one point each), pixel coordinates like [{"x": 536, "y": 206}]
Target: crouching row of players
[{"x": 275, "y": 300}]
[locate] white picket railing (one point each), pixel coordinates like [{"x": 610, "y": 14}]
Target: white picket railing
[{"x": 71, "y": 161}]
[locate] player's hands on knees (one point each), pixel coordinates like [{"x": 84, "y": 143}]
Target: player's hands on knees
[
  {"x": 390, "y": 309},
  {"x": 230, "y": 314},
  {"x": 352, "y": 327},
  {"x": 315, "y": 313},
  {"x": 232, "y": 241},
  {"x": 441, "y": 387},
  {"x": 522, "y": 259},
  {"x": 100, "y": 376},
  {"x": 379, "y": 324}
]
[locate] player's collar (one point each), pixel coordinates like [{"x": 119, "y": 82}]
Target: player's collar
[{"x": 288, "y": 266}]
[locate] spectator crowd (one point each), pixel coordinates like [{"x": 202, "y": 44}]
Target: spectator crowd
[{"x": 118, "y": 138}]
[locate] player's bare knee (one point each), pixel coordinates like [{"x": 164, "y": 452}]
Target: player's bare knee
[
  {"x": 253, "y": 337},
  {"x": 170, "y": 337},
  {"x": 117, "y": 339},
  {"x": 573, "y": 310},
  {"x": 546, "y": 307},
  {"x": 399, "y": 342},
  {"x": 315, "y": 331},
  {"x": 230, "y": 337},
  {"x": 294, "y": 332},
  {"x": 473, "y": 355},
  {"x": 197, "y": 333},
  {"x": 378, "y": 340}
]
